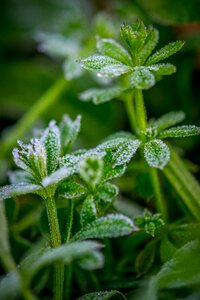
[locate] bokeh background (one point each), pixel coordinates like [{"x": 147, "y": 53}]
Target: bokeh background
[{"x": 28, "y": 69}]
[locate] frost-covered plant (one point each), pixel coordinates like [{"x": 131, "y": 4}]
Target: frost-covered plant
[{"x": 49, "y": 171}]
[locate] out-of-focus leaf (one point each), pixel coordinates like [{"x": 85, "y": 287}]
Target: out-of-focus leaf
[
  {"x": 169, "y": 119},
  {"x": 156, "y": 153},
  {"x": 103, "y": 296},
  {"x": 145, "y": 259},
  {"x": 88, "y": 211},
  {"x": 14, "y": 190},
  {"x": 142, "y": 78},
  {"x": 162, "y": 69},
  {"x": 180, "y": 131},
  {"x": 92, "y": 261}
]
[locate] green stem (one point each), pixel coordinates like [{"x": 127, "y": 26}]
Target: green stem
[
  {"x": 70, "y": 212},
  {"x": 184, "y": 184},
  {"x": 140, "y": 111},
  {"x": 55, "y": 242},
  {"x": 160, "y": 204},
  {"x": 32, "y": 115},
  {"x": 130, "y": 111}
]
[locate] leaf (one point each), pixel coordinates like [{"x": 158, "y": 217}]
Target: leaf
[
  {"x": 111, "y": 48},
  {"x": 111, "y": 173},
  {"x": 101, "y": 95},
  {"x": 71, "y": 190},
  {"x": 103, "y": 296},
  {"x": 112, "y": 225},
  {"x": 156, "y": 153},
  {"x": 107, "y": 192},
  {"x": 184, "y": 233},
  {"x": 104, "y": 65},
  {"x": 66, "y": 253},
  {"x": 162, "y": 69},
  {"x": 14, "y": 190},
  {"x": 165, "y": 52},
  {"x": 167, "y": 249},
  {"x": 71, "y": 69},
  {"x": 150, "y": 222},
  {"x": 92, "y": 261},
  {"x": 51, "y": 141},
  {"x": 68, "y": 132},
  {"x": 58, "y": 176},
  {"x": 10, "y": 286},
  {"x": 169, "y": 120},
  {"x": 120, "y": 150},
  {"x": 145, "y": 259},
  {"x": 142, "y": 78},
  {"x": 177, "y": 272},
  {"x": 180, "y": 131},
  {"x": 19, "y": 176},
  {"x": 88, "y": 212},
  {"x": 91, "y": 170},
  {"x": 150, "y": 43}
]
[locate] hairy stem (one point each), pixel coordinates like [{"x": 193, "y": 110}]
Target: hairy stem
[
  {"x": 55, "y": 242},
  {"x": 25, "y": 123},
  {"x": 69, "y": 222},
  {"x": 131, "y": 111},
  {"x": 160, "y": 204},
  {"x": 140, "y": 110},
  {"x": 184, "y": 184}
]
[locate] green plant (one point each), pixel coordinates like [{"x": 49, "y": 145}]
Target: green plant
[{"x": 77, "y": 190}]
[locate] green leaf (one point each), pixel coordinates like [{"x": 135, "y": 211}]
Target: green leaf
[
  {"x": 65, "y": 253},
  {"x": 150, "y": 222},
  {"x": 169, "y": 119},
  {"x": 68, "y": 131},
  {"x": 184, "y": 233},
  {"x": 14, "y": 190},
  {"x": 107, "y": 192},
  {"x": 111, "y": 48},
  {"x": 120, "y": 150},
  {"x": 150, "y": 43},
  {"x": 111, "y": 173},
  {"x": 92, "y": 261},
  {"x": 102, "y": 95},
  {"x": 104, "y": 65},
  {"x": 51, "y": 141},
  {"x": 156, "y": 153},
  {"x": 71, "y": 190},
  {"x": 56, "y": 177},
  {"x": 167, "y": 249},
  {"x": 19, "y": 176},
  {"x": 10, "y": 286},
  {"x": 145, "y": 259},
  {"x": 180, "y": 131},
  {"x": 91, "y": 170},
  {"x": 88, "y": 211},
  {"x": 162, "y": 69},
  {"x": 165, "y": 52},
  {"x": 115, "y": 295},
  {"x": 71, "y": 69},
  {"x": 112, "y": 225},
  {"x": 177, "y": 272},
  {"x": 142, "y": 78}
]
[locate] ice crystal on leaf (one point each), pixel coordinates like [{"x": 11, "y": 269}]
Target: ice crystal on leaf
[{"x": 156, "y": 153}]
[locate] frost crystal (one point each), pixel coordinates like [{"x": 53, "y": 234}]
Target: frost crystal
[
  {"x": 156, "y": 153},
  {"x": 142, "y": 78}
]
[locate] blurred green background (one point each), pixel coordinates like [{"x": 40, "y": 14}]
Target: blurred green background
[{"x": 27, "y": 72}]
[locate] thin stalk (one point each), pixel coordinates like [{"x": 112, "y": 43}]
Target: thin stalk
[
  {"x": 68, "y": 281},
  {"x": 69, "y": 220},
  {"x": 160, "y": 204},
  {"x": 130, "y": 109},
  {"x": 140, "y": 111},
  {"x": 25, "y": 123},
  {"x": 55, "y": 242}
]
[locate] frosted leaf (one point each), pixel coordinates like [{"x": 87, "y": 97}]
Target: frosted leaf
[
  {"x": 169, "y": 120},
  {"x": 58, "y": 46},
  {"x": 165, "y": 52},
  {"x": 121, "y": 134},
  {"x": 91, "y": 170},
  {"x": 101, "y": 95},
  {"x": 51, "y": 141},
  {"x": 162, "y": 69},
  {"x": 20, "y": 156},
  {"x": 69, "y": 130},
  {"x": 156, "y": 153},
  {"x": 180, "y": 131},
  {"x": 121, "y": 150},
  {"x": 111, "y": 48},
  {"x": 57, "y": 176},
  {"x": 14, "y": 190},
  {"x": 20, "y": 177},
  {"x": 97, "y": 62},
  {"x": 150, "y": 43},
  {"x": 103, "y": 296},
  {"x": 71, "y": 190},
  {"x": 112, "y": 225},
  {"x": 71, "y": 69},
  {"x": 111, "y": 173},
  {"x": 114, "y": 70},
  {"x": 88, "y": 212},
  {"x": 92, "y": 261},
  {"x": 107, "y": 192},
  {"x": 142, "y": 78}
]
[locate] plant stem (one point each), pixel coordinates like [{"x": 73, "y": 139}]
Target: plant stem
[
  {"x": 131, "y": 111},
  {"x": 160, "y": 204},
  {"x": 184, "y": 183},
  {"x": 69, "y": 220},
  {"x": 32, "y": 115},
  {"x": 55, "y": 242},
  {"x": 140, "y": 111}
]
